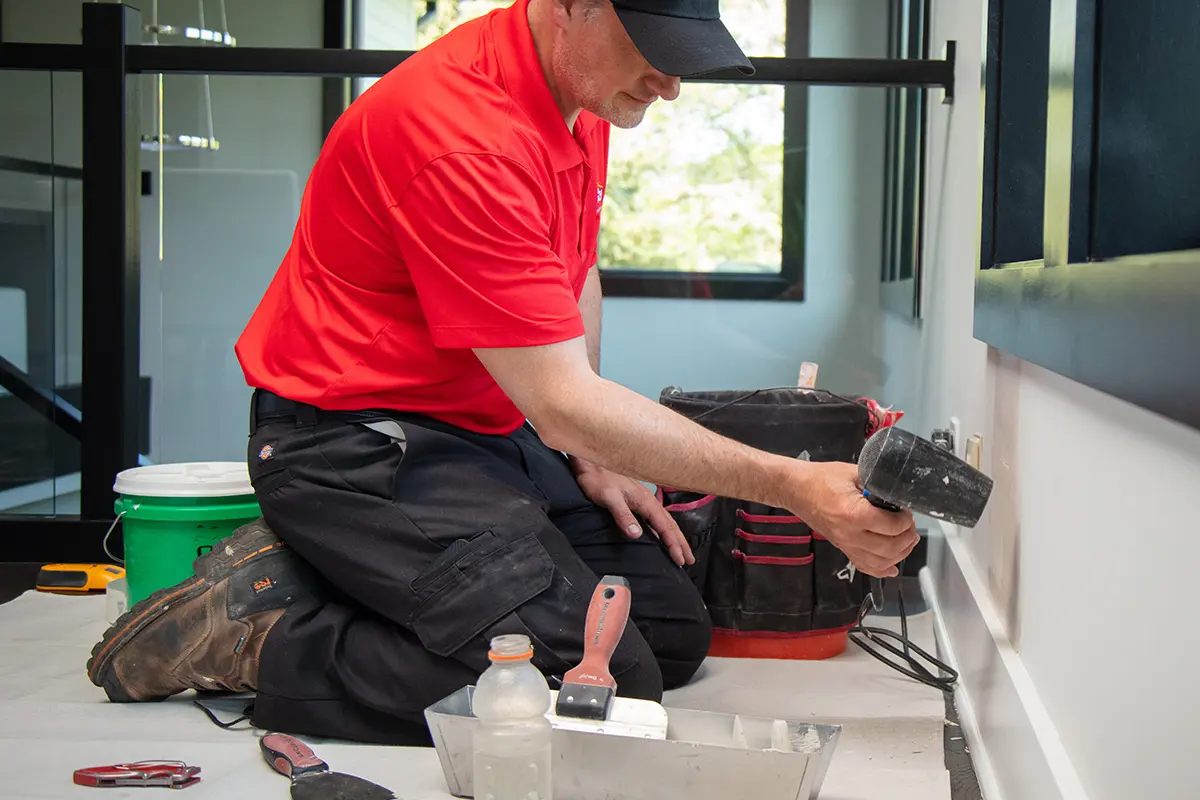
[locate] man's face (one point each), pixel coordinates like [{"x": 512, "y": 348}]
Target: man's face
[{"x": 598, "y": 65}]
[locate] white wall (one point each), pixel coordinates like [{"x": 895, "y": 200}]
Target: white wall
[
  {"x": 1088, "y": 545},
  {"x": 649, "y": 344}
]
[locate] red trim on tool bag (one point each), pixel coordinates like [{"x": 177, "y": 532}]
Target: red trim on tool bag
[
  {"x": 765, "y": 539},
  {"x": 692, "y": 506},
  {"x": 819, "y": 536},
  {"x": 778, "y": 561},
  {"x": 781, "y": 634},
  {"x": 768, "y": 519}
]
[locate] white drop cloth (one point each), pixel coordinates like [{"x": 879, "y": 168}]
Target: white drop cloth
[{"x": 53, "y": 721}]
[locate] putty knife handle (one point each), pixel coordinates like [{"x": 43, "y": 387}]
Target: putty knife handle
[
  {"x": 606, "y": 618},
  {"x": 290, "y": 756}
]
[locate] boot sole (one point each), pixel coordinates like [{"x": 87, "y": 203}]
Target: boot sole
[{"x": 210, "y": 568}]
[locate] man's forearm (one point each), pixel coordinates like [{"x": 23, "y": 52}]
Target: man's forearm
[
  {"x": 577, "y": 411},
  {"x": 589, "y": 307},
  {"x": 616, "y": 428}
]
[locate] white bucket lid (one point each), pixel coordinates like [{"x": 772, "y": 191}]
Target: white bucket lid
[{"x": 196, "y": 479}]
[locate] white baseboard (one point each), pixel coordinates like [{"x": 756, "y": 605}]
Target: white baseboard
[{"x": 1014, "y": 745}]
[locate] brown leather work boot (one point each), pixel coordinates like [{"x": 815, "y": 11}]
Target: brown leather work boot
[{"x": 207, "y": 632}]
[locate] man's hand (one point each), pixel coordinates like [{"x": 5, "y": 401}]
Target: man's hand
[
  {"x": 833, "y": 505},
  {"x": 624, "y": 497}
]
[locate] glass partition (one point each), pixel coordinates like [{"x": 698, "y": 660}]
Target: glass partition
[
  {"x": 40, "y": 288},
  {"x": 215, "y": 227}
]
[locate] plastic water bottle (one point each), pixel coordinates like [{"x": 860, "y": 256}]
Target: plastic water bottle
[{"x": 513, "y": 741}]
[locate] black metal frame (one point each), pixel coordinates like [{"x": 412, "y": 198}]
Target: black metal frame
[
  {"x": 112, "y": 183},
  {"x": 1123, "y": 326},
  {"x": 338, "y": 34}
]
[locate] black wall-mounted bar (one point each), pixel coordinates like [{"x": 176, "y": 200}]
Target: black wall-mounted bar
[
  {"x": 42, "y": 57},
  {"x": 374, "y": 63}
]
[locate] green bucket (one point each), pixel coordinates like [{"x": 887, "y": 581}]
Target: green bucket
[{"x": 172, "y": 513}]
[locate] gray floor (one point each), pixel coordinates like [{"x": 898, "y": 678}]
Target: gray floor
[{"x": 18, "y": 578}]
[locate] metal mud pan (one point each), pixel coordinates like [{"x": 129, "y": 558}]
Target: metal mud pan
[{"x": 706, "y": 756}]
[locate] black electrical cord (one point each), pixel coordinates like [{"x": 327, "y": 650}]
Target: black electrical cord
[
  {"x": 876, "y": 636},
  {"x": 743, "y": 398}
]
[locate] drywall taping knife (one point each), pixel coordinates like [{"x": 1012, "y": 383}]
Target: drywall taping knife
[{"x": 587, "y": 700}]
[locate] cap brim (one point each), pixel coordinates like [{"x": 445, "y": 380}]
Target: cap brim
[{"x": 684, "y": 47}]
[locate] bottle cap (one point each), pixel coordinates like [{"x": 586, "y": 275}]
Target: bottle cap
[{"x": 511, "y": 647}]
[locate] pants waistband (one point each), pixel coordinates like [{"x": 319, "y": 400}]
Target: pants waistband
[{"x": 266, "y": 406}]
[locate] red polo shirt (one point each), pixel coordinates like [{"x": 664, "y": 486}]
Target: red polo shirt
[{"x": 450, "y": 208}]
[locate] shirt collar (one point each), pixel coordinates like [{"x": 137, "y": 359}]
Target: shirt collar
[{"x": 526, "y": 84}]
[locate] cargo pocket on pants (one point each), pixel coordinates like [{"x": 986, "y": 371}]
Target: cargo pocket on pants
[
  {"x": 474, "y": 584},
  {"x": 774, "y": 556}
]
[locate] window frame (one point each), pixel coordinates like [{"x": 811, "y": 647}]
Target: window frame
[{"x": 1119, "y": 325}]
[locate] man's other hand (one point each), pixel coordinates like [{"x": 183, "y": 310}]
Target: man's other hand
[
  {"x": 833, "y": 505},
  {"x": 625, "y": 497}
]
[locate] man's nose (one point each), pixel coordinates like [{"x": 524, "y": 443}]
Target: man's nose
[{"x": 665, "y": 86}]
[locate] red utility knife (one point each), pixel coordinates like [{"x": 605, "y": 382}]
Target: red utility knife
[{"x": 172, "y": 774}]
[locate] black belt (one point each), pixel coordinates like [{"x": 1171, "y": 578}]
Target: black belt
[{"x": 266, "y": 406}]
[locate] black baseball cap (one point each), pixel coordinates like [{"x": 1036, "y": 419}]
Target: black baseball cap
[{"x": 682, "y": 38}]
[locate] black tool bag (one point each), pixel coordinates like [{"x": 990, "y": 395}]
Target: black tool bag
[{"x": 762, "y": 569}]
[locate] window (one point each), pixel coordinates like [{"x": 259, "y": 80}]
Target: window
[
  {"x": 710, "y": 202},
  {"x": 712, "y": 199},
  {"x": 1090, "y": 260},
  {"x": 904, "y": 163},
  {"x": 1147, "y": 157},
  {"x": 1017, "y": 91}
]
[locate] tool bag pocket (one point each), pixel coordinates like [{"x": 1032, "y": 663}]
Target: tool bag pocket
[
  {"x": 697, "y": 516},
  {"x": 774, "y": 563},
  {"x": 839, "y": 588}
]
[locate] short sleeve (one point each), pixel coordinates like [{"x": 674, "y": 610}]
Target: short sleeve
[{"x": 475, "y": 233}]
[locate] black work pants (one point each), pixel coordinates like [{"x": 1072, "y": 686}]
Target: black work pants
[{"x": 431, "y": 540}]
